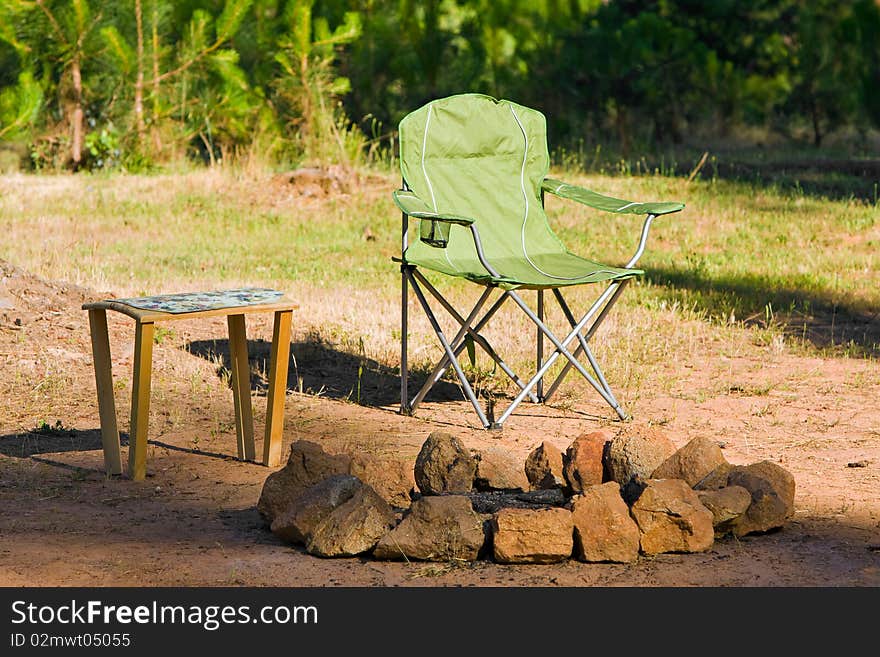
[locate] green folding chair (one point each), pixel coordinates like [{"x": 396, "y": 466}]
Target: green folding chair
[{"x": 474, "y": 175}]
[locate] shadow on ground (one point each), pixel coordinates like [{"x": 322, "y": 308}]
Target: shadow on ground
[
  {"x": 52, "y": 440},
  {"x": 837, "y": 179},
  {"x": 815, "y": 318},
  {"x": 801, "y": 172},
  {"x": 319, "y": 368}
]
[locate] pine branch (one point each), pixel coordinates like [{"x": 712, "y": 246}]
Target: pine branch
[
  {"x": 186, "y": 65},
  {"x": 53, "y": 22}
]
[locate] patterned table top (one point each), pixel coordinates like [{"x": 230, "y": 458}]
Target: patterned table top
[{"x": 191, "y": 302}]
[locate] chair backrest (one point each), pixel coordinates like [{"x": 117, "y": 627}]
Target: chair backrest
[{"x": 475, "y": 156}]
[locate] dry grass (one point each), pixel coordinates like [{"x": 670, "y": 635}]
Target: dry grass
[{"x": 743, "y": 271}]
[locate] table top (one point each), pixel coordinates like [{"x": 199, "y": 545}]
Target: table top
[{"x": 190, "y": 305}]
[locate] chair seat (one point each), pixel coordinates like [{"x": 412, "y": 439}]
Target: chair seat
[{"x": 545, "y": 271}]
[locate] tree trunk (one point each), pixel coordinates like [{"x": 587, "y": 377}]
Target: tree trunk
[
  {"x": 139, "y": 79},
  {"x": 817, "y": 128},
  {"x": 622, "y": 128},
  {"x": 157, "y": 139},
  {"x": 76, "y": 117},
  {"x": 155, "y": 54}
]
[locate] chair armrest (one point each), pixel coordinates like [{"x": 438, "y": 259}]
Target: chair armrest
[
  {"x": 606, "y": 203},
  {"x": 411, "y": 205}
]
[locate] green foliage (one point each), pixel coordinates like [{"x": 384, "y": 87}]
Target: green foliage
[
  {"x": 103, "y": 148},
  {"x": 308, "y": 88},
  {"x": 292, "y": 78},
  {"x": 19, "y": 106},
  {"x": 119, "y": 50}
]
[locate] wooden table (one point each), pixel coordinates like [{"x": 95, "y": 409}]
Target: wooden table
[{"x": 140, "y": 394}]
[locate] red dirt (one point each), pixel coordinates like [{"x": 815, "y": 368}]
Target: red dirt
[{"x": 194, "y": 522}]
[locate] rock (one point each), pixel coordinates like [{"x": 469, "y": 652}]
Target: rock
[
  {"x": 302, "y": 515},
  {"x": 671, "y": 518},
  {"x": 353, "y": 527},
  {"x": 497, "y": 469},
  {"x": 442, "y": 528},
  {"x": 772, "y": 490},
  {"x": 583, "y": 460},
  {"x": 444, "y": 466},
  {"x": 532, "y": 535},
  {"x": 638, "y": 451},
  {"x": 493, "y": 501},
  {"x": 603, "y": 528},
  {"x": 307, "y": 465},
  {"x": 390, "y": 477},
  {"x": 544, "y": 467},
  {"x": 279, "y": 492},
  {"x": 715, "y": 479},
  {"x": 693, "y": 462},
  {"x": 726, "y": 504}
]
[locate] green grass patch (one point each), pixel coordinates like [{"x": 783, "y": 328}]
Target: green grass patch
[{"x": 778, "y": 260}]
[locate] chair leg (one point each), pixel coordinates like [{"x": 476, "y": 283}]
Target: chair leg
[
  {"x": 448, "y": 348},
  {"x": 561, "y": 350},
  {"x": 616, "y": 289},
  {"x": 404, "y": 318},
  {"x": 453, "y": 348},
  {"x": 539, "y": 355},
  {"x": 583, "y": 343},
  {"x": 444, "y": 362},
  {"x": 458, "y": 345}
]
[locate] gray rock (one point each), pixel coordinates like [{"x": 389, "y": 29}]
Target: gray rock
[
  {"x": 544, "y": 467},
  {"x": 637, "y": 451},
  {"x": 772, "y": 491},
  {"x": 444, "y": 466},
  {"x": 715, "y": 479},
  {"x": 532, "y": 536},
  {"x": 296, "y": 522},
  {"x": 671, "y": 518},
  {"x": 693, "y": 462},
  {"x": 497, "y": 469},
  {"x": 726, "y": 504},
  {"x": 353, "y": 527},
  {"x": 437, "y": 528},
  {"x": 307, "y": 464},
  {"x": 603, "y": 528}
]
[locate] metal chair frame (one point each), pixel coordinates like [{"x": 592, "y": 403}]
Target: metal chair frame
[{"x": 581, "y": 330}]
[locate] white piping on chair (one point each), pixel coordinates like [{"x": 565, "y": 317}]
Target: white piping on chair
[
  {"x": 522, "y": 184},
  {"x": 428, "y": 180},
  {"x": 425, "y": 146}
]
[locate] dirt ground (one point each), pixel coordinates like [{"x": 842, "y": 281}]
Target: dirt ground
[{"x": 193, "y": 521}]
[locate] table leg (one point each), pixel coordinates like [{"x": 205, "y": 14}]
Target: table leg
[
  {"x": 104, "y": 385},
  {"x": 241, "y": 387},
  {"x": 277, "y": 388},
  {"x": 140, "y": 400}
]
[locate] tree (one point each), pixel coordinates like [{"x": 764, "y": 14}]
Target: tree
[
  {"x": 65, "y": 34},
  {"x": 200, "y": 49},
  {"x": 308, "y": 88},
  {"x": 825, "y": 88}
]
